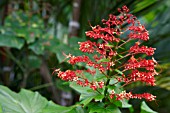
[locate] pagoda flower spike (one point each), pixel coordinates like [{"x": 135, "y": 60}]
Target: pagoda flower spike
[{"x": 125, "y": 65}]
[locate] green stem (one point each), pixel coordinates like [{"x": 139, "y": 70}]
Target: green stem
[
  {"x": 105, "y": 90},
  {"x": 41, "y": 86},
  {"x": 123, "y": 43}
]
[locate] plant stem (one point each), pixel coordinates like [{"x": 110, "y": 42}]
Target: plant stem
[
  {"x": 10, "y": 55},
  {"x": 105, "y": 90},
  {"x": 104, "y": 74},
  {"x": 41, "y": 86},
  {"x": 122, "y": 57},
  {"x": 123, "y": 43}
]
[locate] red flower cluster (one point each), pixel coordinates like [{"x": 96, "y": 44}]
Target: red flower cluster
[
  {"x": 143, "y": 49},
  {"x": 78, "y": 77},
  {"x": 109, "y": 56},
  {"x": 73, "y": 60},
  {"x": 124, "y": 95},
  {"x": 67, "y": 76},
  {"x": 87, "y": 46},
  {"x": 138, "y": 32},
  {"x": 147, "y": 77},
  {"x": 140, "y": 63}
]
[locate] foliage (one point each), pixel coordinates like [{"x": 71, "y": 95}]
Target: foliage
[
  {"x": 32, "y": 22},
  {"x": 32, "y": 102},
  {"x": 29, "y": 102}
]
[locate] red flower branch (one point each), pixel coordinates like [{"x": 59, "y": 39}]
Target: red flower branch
[{"x": 109, "y": 56}]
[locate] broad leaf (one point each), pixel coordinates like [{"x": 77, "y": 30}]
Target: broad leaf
[
  {"x": 87, "y": 94},
  {"x": 100, "y": 108},
  {"x": 1, "y": 109},
  {"x": 28, "y": 102},
  {"x": 145, "y": 108},
  {"x": 11, "y": 41},
  {"x": 54, "y": 108}
]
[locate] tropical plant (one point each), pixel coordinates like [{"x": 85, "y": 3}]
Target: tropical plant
[{"x": 103, "y": 75}]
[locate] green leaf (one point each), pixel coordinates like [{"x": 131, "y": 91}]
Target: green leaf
[
  {"x": 112, "y": 81},
  {"x": 100, "y": 108},
  {"x": 45, "y": 43},
  {"x": 24, "y": 102},
  {"x": 104, "y": 60},
  {"x": 54, "y": 108},
  {"x": 125, "y": 104},
  {"x": 120, "y": 56},
  {"x": 63, "y": 48},
  {"x": 1, "y": 109},
  {"x": 118, "y": 71},
  {"x": 72, "y": 48},
  {"x": 27, "y": 33},
  {"x": 11, "y": 41},
  {"x": 28, "y": 102},
  {"x": 142, "y": 5},
  {"x": 96, "y": 108},
  {"x": 99, "y": 97},
  {"x": 37, "y": 47},
  {"x": 79, "y": 109},
  {"x": 99, "y": 76},
  {"x": 33, "y": 62},
  {"x": 112, "y": 109},
  {"x": 87, "y": 101},
  {"x": 145, "y": 108},
  {"x": 109, "y": 45},
  {"x": 87, "y": 94}
]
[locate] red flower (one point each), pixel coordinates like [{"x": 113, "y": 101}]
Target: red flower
[
  {"x": 147, "y": 96},
  {"x": 147, "y": 77},
  {"x": 86, "y": 46},
  {"x": 67, "y": 76},
  {"x": 73, "y": 60},
  {"x": 124, "y": 95},
  {"x": 101, "y": 84},
  {"x": 140, "y": 63},
  {"x": 93, "y": 86},
  {"x": 143, "y": 49}
]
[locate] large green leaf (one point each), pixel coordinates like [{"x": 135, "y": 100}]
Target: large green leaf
[
  {"x": 54, "y": 108},
  {"x": 0, "y": 109},
  {"x": 28, "y": 102},
  {"x": 11, "y": 41},
  {"x": 145, "y": 108}
]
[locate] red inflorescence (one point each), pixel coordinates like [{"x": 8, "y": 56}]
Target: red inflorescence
[
  {"x": 139, "y": 32},
  {"x": 67, "y": 76},
  {"x": 109, "y": 53},
  {"x": 143, "y": 49},
  {"x": 147, "y": 77},
  {"x": 73, "y": 60},
  {"x": 124, "y": 95},
  {"x": 87, "y": 46},
  {"x": 147, "y": 96},
  {"x": 140, "y": 63}
]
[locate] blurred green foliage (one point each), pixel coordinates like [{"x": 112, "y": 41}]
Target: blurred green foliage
[{"x": 30, "y": 35}]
